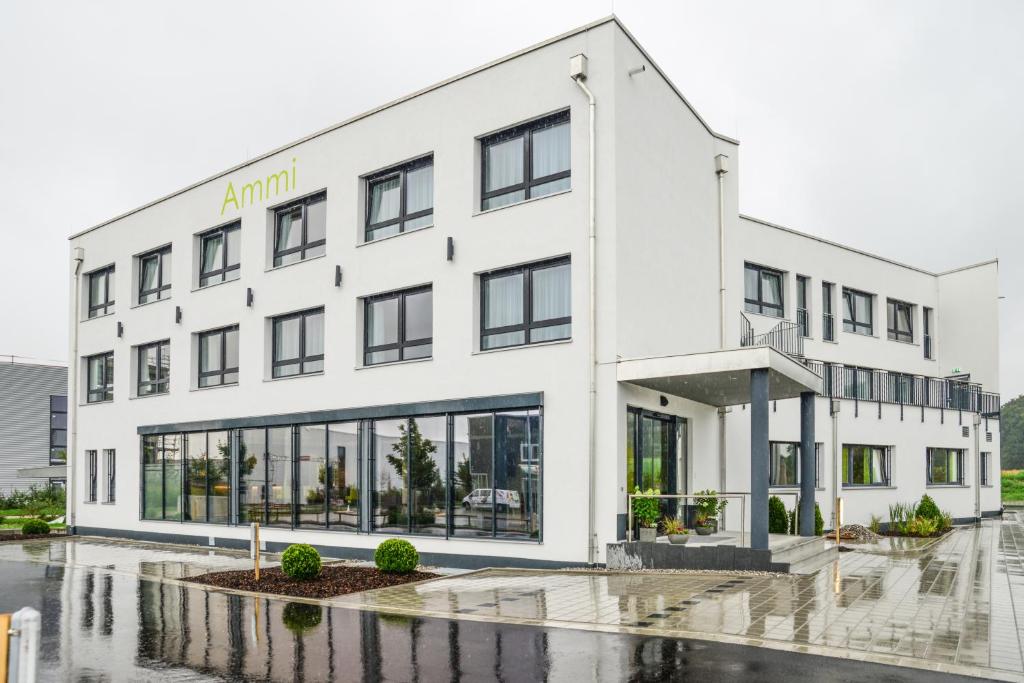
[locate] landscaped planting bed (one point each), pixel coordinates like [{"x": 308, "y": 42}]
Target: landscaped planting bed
[
  {"x": 4, "y": 538},
  {"x": 334, "y": 580}
]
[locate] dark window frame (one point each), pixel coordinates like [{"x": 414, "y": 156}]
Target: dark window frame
[
  {"x": 854, "y": 325},
  {"x": 961, "y": 457},
  {"x": 400, "y": 170},
  {"x": 58, "y": 444},
  {"x": 109, "y": 464},
  {"x": 92, "y": 476},
  {"x": 984, "y": 462},
  {"x": 161, "y": 286},
  {"x": 302, "y": 358},
  {"x": 402, "y": 344},
  {"x": 892, "y": 310},
  {"x": 224, "y": 232},
  {"x": 848, "y": 468},
  {"x": 758, "y": 305},
  {"x": 803, "y": 305},
  {"x": 528, "y": 324},
  {"x": 926, "y": 324},
  {"x": 304, "y": 244},
  {"x": 160, "y": 385},
  {"x": 96, "y": 309},
  {"x": 526, "y": 131},
  {"x": 223, "y": 371},
  {"x": 105, "y": 391},
  {"x": 828, "y": 319},
  {"x": 799, "y": 466}
]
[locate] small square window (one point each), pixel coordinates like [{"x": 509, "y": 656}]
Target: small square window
[
  {"x": 101, "y": 292},
  {"x": 218, "y": 357},
  {"x": 300, "y": 230},
  {"x": 219, "y": 254},
  {"x": 398, "y": 326},
  {"x": 154, "y": 368},
  {"x": 100, "y": 377},
  {"x": 155, "y": 275},
  {"x": 297, "y": 343},
  {"x": 400, "y": 199},
  {"x": 763, "y": 290}
]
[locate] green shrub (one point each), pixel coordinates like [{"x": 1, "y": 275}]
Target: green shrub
[
  {"x": 778, "y": 520},
  {"x": 876, "y": 524},
  {"x": 646, "y": 510},
  {"x": 946, "y": 522},
  {"x": 396, "y": 555},
  {"x": 792, "y": 522},
  {"x": 35, "y": 526},
  {"x": 709, "y": 505},
  {"x": 301, "y": 562},
  {"x": 300, "y": 617},
  {"x": 819, "y": 521},
  {"x": 922, "y": 526},
  {"x": 900, "y": 516},
  {"x": 928, "y": 508}
]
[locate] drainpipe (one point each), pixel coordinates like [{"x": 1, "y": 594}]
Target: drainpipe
[
  {"x": 977, "y": 466},
  {"x": 77, "y": 256},
  {"x": 578, "y": 73},
  {"x": 836, "y": 465},
  {"x": 721, "y": 168}
]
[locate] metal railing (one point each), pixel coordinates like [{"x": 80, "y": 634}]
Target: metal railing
[
  {"x": 828, "y": 327},
  {"x": 784, "y": 337},
  {"x": 741, "y": 496}
]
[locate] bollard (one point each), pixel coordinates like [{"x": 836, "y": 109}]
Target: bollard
[
  {"x": 254, "y": 551},
  {"x": 21, "y": 641}
]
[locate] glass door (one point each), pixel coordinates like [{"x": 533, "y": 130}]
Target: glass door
[{"x": 651, "y": 451}]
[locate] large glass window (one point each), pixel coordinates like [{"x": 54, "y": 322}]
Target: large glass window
[
  {"x": 526, "y": 304},
  {"x": 101, "y": 291},
  {"x": 100, "y": 371},
  {"x": 946, "y": 466},
  {"x": 279, "y": 476},
  {"x": 155, "y": 275},
  {"x": 828, "y": 329},
  {"x": 207, "y": 477},
  {"x": 92, "y": 476},
  {"x": 152, "y": 478},
  {"x": 312, "y": 476},
  {"x": 865, "y": 465},
  {"x": 218, "y": 357},
  {"x": 298, "y": 343},
  {"x": 219, "y": 254},
  {"x": 900, "y": 320},
  {"x": 803, "y": 318},
  {"x": 195, "y": 477},
  {"x": 110, "y": 464},
  {"x": 300, "y": 230},
  {"x": 400, "y": 199},
  {"x": 252, "y": 476},
  {"x": 986, "y": 458},
  {"x": 762, "y": 290},
  {"x": 58, "y": 430},
  {"x": 398, "y": 326},
  {"x": 391, "y": 495},
  {"x": 343, "y": 475},
  {"x": 785, "y": 464},
  {"x": 857, "y": 312},
  {"x": 411, "y": 458},
  {"x": 154, "y": 368},
  {"x": 172, "y": 450},
  {"x": 527, "y": 161}
]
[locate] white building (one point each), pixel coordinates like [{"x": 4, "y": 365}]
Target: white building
[{"x": 426, "y": 274}]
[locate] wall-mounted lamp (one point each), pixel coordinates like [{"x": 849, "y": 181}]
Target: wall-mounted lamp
[
  {"x": 637, "y": 70},
  {"x": 120, "y": 329},
  {"x": 248, "y": 297},
  {"x": 663, "y": 401},
  {"x": 337, "y": 276},
  {"x": 451, "y": 249},
  {"x": 177, "y": 314}
]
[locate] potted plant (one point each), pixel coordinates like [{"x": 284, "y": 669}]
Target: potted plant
[
  {"x": 676, "y": 532},
  {"x": 709, "y": 506},
  {"x": 646, "y": 512}
]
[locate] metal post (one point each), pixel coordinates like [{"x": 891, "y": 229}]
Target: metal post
[
  {"x": 805, "y": 511},
  {"x": 759, "y": 454},
  {"x": 629, "y": 512}
]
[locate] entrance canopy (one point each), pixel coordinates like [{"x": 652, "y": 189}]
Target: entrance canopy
[{"x": 720, "y": 378}]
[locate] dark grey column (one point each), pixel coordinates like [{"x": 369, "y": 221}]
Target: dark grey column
[
  {"x": 807, "y": 462},
  {"x": 759, "y": 459}
]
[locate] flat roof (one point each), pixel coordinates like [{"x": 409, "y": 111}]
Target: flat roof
[{"x": 582, "y": 29}]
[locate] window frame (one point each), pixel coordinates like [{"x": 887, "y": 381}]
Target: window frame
[
  {"x": 892, "y": 310},
  {"x": 224, "y": 232},
  {"x": 162, "y": 346},
  {"x": 526, "y": 131},
  {"x": 803, "y": 306},
  {"x": 758, "y": 305},
  {"x": 106, "y": 390},
  {"x": 847, "y": 468},
  {"x": 828, "y": 318},
  {"x": 58, "y": 444},
  {"x": 400, "y": 170},
  {"x": 528, "y": 324},
  {"x": 110, "y": 467},
  {"x": 961, "y": 457},
  {"x": 984, "y": 462},
  {"x": 200, "y": 373},
  {"x": 304, "y": 244},
  {"x": 853, "y": 325},
  {"x": 927, "y": 325},
  {"x": 160, "y": 254},
  {"x": 799, "y": 465},
  {"x": 92, "y": 476},
  {"x": 92, "y": 307},
  {"x": 302, "y": 358},
  {"x": 402, "y": 344}
]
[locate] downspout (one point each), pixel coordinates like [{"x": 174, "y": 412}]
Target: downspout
[
  {"x": 721, "y": 168},
  {"x": 77, "y": 256},
  {"x": 578, "y": 72},
  {"x": 977, "y": 467}
]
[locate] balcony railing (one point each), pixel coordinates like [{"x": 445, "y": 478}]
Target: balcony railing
[{"x": 784, "y": 337}]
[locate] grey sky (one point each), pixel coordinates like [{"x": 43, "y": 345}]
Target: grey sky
[{"x": 895, "y": 127}]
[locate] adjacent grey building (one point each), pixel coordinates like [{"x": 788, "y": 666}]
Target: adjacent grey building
[{"x": 33, "y": 423}]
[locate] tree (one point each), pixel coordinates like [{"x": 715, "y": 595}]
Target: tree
[
  {"x": 418, "y": 451},
  {"x": 1011, "y": 434}
]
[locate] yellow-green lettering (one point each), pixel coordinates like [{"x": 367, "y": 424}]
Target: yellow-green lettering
[
  {"x": 251, "y": 187},
  {"x": 229, "y": 196},
  {"x": 276, "y": 177}
]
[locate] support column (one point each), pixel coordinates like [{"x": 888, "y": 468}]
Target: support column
[
  {"x": 807, "y": 464},
  {"x": 759, "y": 459}
]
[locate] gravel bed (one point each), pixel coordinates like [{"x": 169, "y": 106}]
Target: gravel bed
[{"x": 334, "y": 580}]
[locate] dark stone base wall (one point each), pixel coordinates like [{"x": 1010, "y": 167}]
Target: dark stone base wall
[{"x": 638, "y": 555}]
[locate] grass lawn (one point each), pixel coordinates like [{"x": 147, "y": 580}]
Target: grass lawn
[
  {"x": 1013, "y": 486},
  {"x": 14, "y": 518}
]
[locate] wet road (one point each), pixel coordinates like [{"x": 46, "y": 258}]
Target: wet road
[{"x": 108, "y": 624}]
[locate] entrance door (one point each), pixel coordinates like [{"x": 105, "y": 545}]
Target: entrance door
[{"x": 651, "y": 454}]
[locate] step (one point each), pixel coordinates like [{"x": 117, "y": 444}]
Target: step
[{"x": 800, "y": 550}]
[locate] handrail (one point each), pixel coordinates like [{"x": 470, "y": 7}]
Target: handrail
[
  {"x": 784, "y": 337},
  {"x": 742, "y": 498}
]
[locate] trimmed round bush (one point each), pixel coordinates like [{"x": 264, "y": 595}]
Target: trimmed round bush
[
  {"x": 778, "y": 518},
  {"x": 928, "y": 509},
  {"x": 301, "y": 562},
  {"x": 34, "y": 527},
  {"x": 396, "y": 555}
]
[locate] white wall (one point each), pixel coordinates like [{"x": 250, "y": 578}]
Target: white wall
[{"x": 968, "y": 323}]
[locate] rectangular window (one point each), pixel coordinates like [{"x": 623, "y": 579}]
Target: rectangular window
[
  {"x": 154, "y": 368},
  {"x": 411, "y": 460},
  {"x": 218, "y": 357},
  {"x": 300, "y": 230},
  {"x": 857, "y": 312},
  {"x": 219, "y": 254},
  {"x": 828, "y": 329},
  {"x": 155, "y": 275},
  {"x": 110, "y": 465},
  {"x": 58, "y": 430},
  {"x": 152, "y": 477},
  {"x": 207, "y": 477},
  {"x": 398, "y": 326},
  {"x": 927, "y": 320},
  {"x": 298, "y": 343},
  {"x": 100, "y": 371},
  {"x": 865, "y": 465},
  {"x": 945, "y": 466},
  {"x": 101, "y": 291},
  {"x": 90, "y": 493},
  {"x": 899, "y": 315},
  {"x": 986, "y": 457},
  {"x": 785, "y": 464},
  {"x": 763, "y": 290},
  {"x": 252, "y": 476},
  {"x": 526, "y": 305},
  {"x": 803, "y": 319},
  {"x": 400, "y": 199},
  {"x": 528, "y": 161}
]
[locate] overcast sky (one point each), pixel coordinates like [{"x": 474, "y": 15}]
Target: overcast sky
[{"x": 894, "y": 126}]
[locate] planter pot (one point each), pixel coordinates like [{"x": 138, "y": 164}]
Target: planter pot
[
  {"x": 648, "y": 534},
  {"x": 705, "y": 530},
  {"x": 678, "y": 539}
]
